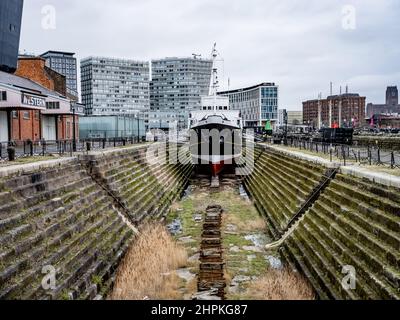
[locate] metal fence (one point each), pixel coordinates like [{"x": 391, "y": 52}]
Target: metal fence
[
  {"x": 370, "y": 155},
  {"x": 62, "y": 147}
]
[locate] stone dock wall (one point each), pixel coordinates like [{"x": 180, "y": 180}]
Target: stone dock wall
[
  {"x": 65, "y": 224},
  {"x": 352, "y": 229}
]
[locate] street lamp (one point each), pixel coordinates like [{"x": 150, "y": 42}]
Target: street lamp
[
  {"x": 138, "y": 128},
  {"x": 74, "y": 130}
]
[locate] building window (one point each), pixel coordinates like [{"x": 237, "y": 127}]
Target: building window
[
  {"x": 37, "y": 115},
  {"x": 52, "y": 105},
  {"x": 15, "y": 114},
  {"x": 27, "y": 115},
  {"x": 3, "y": 95}
]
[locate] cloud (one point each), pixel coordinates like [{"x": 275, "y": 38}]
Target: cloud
[{"x": 299, "y": 44}]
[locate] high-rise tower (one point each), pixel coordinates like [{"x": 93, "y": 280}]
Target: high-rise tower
[{"x": 10, "y": 30}]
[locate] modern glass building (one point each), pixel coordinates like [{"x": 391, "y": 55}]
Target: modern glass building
[
  {"x": 108, "y": 127},
  {"x": 258, "y": 104},
  {"x": 115, "y": 86},
  {"x": 176, "y": 88},
  {"x": 10, "y": 30},
  {"x": 64, "y": 63}
]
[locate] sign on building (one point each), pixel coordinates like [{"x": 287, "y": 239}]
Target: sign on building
[{"x": 33, "y": 101}]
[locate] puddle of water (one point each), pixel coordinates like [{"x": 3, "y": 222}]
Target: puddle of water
[
  {"x": 188, "y": 192},
  {"x": 243, "y": 193},
  {"x": 185, "y": 274},
  {"x": 175, "y": 227},
  {"x": 274, "y": 262},
  {"x": 259, "y": 240}
]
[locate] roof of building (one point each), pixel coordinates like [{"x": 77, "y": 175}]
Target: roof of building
[
  {"x": 182, "y": 58},
  {"x": 57, "y": 52},
  {"x": 344, "y": 95},
  {"x": 264, "y": 84},
  {"x": 21, "y": 83},
  {"x": 110, "y": 59}
]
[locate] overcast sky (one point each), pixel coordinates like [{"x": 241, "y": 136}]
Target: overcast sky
[{"x": 301, "y": 45}]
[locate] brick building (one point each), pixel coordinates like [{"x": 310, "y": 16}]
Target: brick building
[
  {"x": 22, "y": 105},
  {"x": 345, "y": 110},
  {"x": 56, "y": 123}
]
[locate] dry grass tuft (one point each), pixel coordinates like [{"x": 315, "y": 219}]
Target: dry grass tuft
[
  {"x": 147, "y": 271},
  {"x": 280, "y": 285},
  {"x": 255, "y": 224}
]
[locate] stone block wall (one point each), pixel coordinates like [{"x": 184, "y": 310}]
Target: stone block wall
[
  {"x": 354, "y": 226},
  {"x": 70, "y": 216}
]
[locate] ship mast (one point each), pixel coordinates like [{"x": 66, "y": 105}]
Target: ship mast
[{"x": 214, "y": 81}]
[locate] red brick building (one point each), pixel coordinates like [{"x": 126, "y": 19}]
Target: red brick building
[
  {"x": 346, "y": 110},
  {"x": 24, "y": 106},
  {"x": 56, "y": 124}
]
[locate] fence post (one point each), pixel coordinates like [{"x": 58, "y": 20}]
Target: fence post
[
  {"x": 343, "y": 155},
  {"x": 379, "y": 155},
  {"x": 370, "y": 157},
  {"x": 331, "y": 153},
  {"x": 392, "y": 162}
]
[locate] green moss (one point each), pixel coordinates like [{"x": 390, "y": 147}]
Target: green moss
[
  {"x": 64, "y": 295},
  {"x": 236, "y": 240}
]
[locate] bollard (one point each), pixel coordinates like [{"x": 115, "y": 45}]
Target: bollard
[
  {"x": 43, "y": 148},
  {"x": 11, "y": 153},
  {"x": 88, "y": 146},
  {"x": 104, "y": 143},
  {"x": 124, "y": 142},
  {"x": 30, "y": 146}
]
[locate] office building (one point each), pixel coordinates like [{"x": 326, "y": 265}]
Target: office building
[
  {"x": 294, "y": 117},
  {"x": 258, "y": 104},
  {"x": 115, "y": 86},
  {"x": 10, "y": 30},
  {"x": 344, "y": 110},
  {"x": 109, "y": 127},
  {"x": 65, "y": 64},
  {"x": 176, "y": 89}
]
